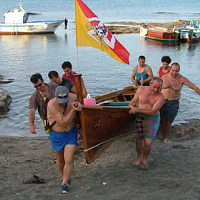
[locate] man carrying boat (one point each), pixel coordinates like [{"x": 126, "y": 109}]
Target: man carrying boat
[
  {"x": 39, "y": 99},
  {"x": 172, "y": 85},
  {"x": 55, "y": 78},
  {"x": 146, "y": 103},
  {"x": 70, "y": 74},
  {"x": 61, "y": 111}
]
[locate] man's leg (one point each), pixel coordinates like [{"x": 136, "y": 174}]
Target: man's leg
[
  {"x": 68, "y": 162},
  {"x": 60, "y": 161},
  {"x": 139, "y": 148},
  {"x": 146, "y": 150},
  {"x": 166, "y": 129}
]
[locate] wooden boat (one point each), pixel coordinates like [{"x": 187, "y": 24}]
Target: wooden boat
[
  {"x": 16, "y": 23},
  {"x": 157, "y": 33},
  {"x": 104, "y": 122}
]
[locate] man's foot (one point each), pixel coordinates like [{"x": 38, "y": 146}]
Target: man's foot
[
  {"x": 136, "y": 162},
  {"x": 164, "y": 141},
  {"x": 64, "y": 189},
  {"x": 144, "y": 166}
]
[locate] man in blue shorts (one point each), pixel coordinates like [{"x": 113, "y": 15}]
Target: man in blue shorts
[
  {"x": 172, "y": 86},
  {"x": 61, "y": 111}
]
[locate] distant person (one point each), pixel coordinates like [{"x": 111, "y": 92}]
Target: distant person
[
  {"x": 142, "y": 73},
  {"x": 61, "y": 111},
  {"x": 146, "y": 103},
  {"x": 55, "y": 78},
  {"x": 39, "y": 99},
  {"x": 66, "y": 22},
  {"x": 165, "y": 68},
  {"x": 172, "y": 85},
  {"x": 67, "y": 68}
]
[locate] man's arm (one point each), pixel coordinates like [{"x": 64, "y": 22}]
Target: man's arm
[
  {"x": 31, "y": 120},
  {"x": 73, "y": 90},
  {"x": 156, "y": 107},
  {"x": 135, "y": 99},
  {"x": 64, "y": 120},
  {"x": 191, "y": 85},
  {"x": 133, "y": 76}
]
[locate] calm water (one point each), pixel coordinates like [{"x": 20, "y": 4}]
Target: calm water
[{"x": 21, "y": 56}]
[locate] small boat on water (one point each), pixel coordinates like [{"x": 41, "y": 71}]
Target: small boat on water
[
  {"x": 157, "y": 33},
  {"x": 16, "y": 23},
  {"x": 189, "y": 33},
  {"x": 106, "y": 121}
]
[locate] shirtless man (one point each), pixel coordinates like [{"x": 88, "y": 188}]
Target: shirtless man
[
  {"x": 142, "y": 73},
  {"x": 146, "y": 103},
  {"x": 172, "y": 85},
  {"x": 61, "y": 111}
]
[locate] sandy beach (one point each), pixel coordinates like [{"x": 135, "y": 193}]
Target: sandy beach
[{"x": 173, "y": 171}]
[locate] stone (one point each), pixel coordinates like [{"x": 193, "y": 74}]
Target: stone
[{"x": 5, "y": 100}]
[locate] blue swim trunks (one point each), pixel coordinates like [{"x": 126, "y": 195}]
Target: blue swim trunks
[
  {"x": 169, "y": 110},
  {"x": 60, "y": 139}
]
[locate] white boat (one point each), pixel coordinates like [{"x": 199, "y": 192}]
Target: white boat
[
  {"x": 16, "y": 23},
  {"x": 189, "y": 33}
]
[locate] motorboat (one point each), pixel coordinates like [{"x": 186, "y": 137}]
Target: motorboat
[{"x": 16, "y": 23}]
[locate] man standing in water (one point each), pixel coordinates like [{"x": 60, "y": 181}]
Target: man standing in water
[
  {"x": 146, "y": 103},
  {"x": 61, "y": 111},
  {"x": 172, "y": 85},
  {"x": 142, "y": 73},
  {"x": 39, "y": 99}
]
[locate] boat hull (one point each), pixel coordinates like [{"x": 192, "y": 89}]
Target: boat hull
[
  {"x": 45, "y": 27},
  {"x": 102, "y": 124},
  {"x": 158, "y": 35}
]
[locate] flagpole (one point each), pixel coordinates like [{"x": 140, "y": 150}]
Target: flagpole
[{"x": 77, "y": 64}]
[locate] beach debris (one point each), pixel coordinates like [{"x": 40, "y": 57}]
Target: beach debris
[
  {"x": 104, "y": 183},
  {"x": 34, "y": 179},
  {"x": 184, "y": 132}
]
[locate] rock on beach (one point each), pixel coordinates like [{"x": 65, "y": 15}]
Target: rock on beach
[{"x": 5, "y": 100}]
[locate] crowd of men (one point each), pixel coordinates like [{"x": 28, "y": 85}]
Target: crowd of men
[{"x": 155, "y": 102}]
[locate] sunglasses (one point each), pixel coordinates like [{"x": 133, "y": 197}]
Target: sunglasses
[
  {"x": 39, "y": 85},
  {"x": 62, "y": 96}
]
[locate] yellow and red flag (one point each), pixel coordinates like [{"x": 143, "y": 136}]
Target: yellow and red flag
[{"x": 90, "y": 31}]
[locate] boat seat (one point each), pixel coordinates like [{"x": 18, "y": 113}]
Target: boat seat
[{"x": 126, "y": 103}]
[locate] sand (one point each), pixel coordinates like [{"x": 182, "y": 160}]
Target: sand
[{"x": 173, "y": 171}]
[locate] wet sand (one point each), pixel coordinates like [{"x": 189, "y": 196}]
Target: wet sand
[{"x": 173, "y": 171}]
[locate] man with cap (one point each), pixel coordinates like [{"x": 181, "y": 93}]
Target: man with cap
[{"x": 61, "y": 111}]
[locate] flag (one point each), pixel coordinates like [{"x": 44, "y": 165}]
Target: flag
[{"x": 90, "y": 31}]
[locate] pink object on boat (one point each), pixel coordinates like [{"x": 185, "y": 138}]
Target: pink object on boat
[{"x": 89, "y": 101}]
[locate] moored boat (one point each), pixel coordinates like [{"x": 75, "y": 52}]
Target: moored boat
[
  {"x": 189, "y": 33},
  {"x": 16, "y": 23},
  {"x": 109, "y": 119},
  {"x": 157, "y": 33}
]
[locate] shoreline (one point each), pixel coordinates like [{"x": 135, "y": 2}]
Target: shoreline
[
  {"x": 134, "y": 27},
  {"x": 173, "y": 171}
]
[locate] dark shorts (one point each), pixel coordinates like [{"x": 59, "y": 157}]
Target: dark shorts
[
  {"x": 147, "y": 126},
  {"x": 170, "y": 110},
  {"x": 60, "y": 139}
]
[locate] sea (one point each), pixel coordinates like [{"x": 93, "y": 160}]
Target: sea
[{"x": 23, "y": 55}]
